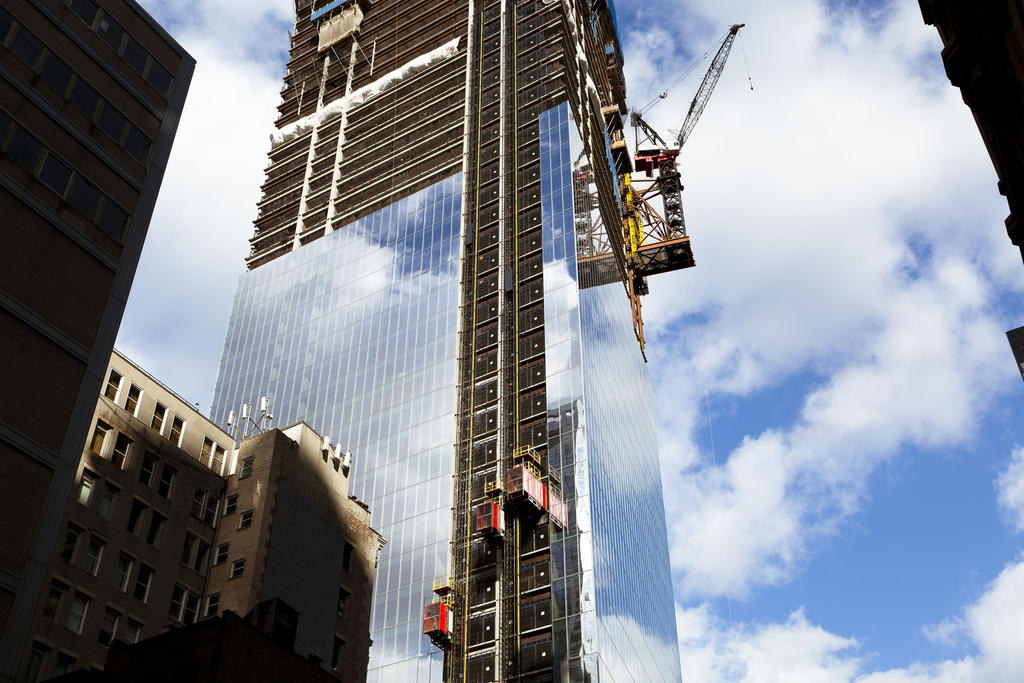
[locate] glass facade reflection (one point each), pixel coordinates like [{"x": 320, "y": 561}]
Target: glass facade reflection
[
  {"x": 610, "y": 566},
  {"x": 355, "y": 334}
]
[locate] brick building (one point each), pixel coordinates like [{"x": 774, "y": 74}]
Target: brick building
[
  {"x": 984, "y": 57},
  {"x": 285, "y": 503},
  {"x": 168, "y": 524}
]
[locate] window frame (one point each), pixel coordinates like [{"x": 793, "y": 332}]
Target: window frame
[
  {"x": 87, "y": 484},
  {"x": 160, "y": 410},
  {"x": 84, "y": 600},
  {"x": 237, "y": 568},
  {"x": 117, "y": 386},
  {"x": 245, "y": 518},
  {"x": 134, "y": 394}
]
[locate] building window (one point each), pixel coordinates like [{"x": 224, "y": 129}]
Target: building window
[
  {"x": 191, "y": 608},
  {"x": 177, "y": 603},
  {"x": 237, "y": 568},
  {"x": 230, "y": 504},
  {"x": 202, "y": 558},
  {"x": 25, "y": 149},
  {"x": 212, "y": 605},
  {"x": 218, "y": 458},
  {"x": 131, "y": 404},
  {"x": 166, "y": 480},
  {"x": 65, "y": 663},
  {"x": 85, "y": 486},
  {"x": 35, "y": 661},
  {"x": 76, "y": 614},
  {"x": 113, "y": 384},
  {"x": 206, "y": 454},
  {"x": 120, "y": 456},
  {"x": 110, "y": 32},
  {"x": 342, "y": 599},
  {"x": 54, "y": 173},
  {"x": 112, "y": 122},
  {"x": 53, "y": 600},
  {"x": 67, "y": 553},
  {"x": 159, "y": 413},
  {"x": 184, "y": 605},
  {"x": 108, "y": 500},
  {"x": 148, "y": 467},
  {"x": 85, "y": 198},
  {"x": 156, "y": 525},
  {"x": 245, "y": 520},
  {"x": 222, "y": 554},
  {"x": 85, "y": 9},
  {"x": 131, "y": 632},
  {"x": 85, "y": 99},
  {"x": 246, "y": 468},
  {"x": 188, "y": 548},
  {"x": 135, "y": 516},
  {"x": 204, "y": 505},
  {"x": 177, "y": 427},
  {"x": 346, "y": 558},
  {"x": 108, "y": 630},
  {"x": 99, "y": 436},
  {"x": 142, "y": 582},
  {"x": 124, "y": 572},
  {"x": 26, "y": 47},
  {"x": 93, "y": 555},
  {"x": 339, "y": 646}
]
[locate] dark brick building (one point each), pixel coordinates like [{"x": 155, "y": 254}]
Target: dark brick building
[
  {"x": 90, "y": 96},
  {"x": 984, "y": 57}
]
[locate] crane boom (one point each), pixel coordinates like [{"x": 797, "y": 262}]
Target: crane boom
[{"x": 707, "y": 86}]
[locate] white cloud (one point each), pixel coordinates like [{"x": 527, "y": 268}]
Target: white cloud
[
  {"x": 1010, "y": 489},
  {"x": 181, "y": 298},
  {"x": 797, "y": 650},
  {"x": 839, "y": 250}
]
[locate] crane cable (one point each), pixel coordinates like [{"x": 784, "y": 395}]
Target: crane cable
[
  {"x": 693, "y": 65},
  {"x": 746, "y": 63}
]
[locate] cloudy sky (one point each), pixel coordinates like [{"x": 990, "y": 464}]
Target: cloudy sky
[{"x": 839, "y": 412}]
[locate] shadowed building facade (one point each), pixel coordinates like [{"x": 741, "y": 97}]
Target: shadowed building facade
[
  {"x": 90, "y": 96},
  {"x": 169, "y": 524},
  {"x": 984, "y": 57},
  {"x": 413, "y": 288}
]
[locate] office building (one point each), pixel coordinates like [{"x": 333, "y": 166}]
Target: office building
[
  {"x": 983, "y": 52},
  {"x": 168, "y": 524},
  {"x": 90, "y": 96},
  {"x": 414, "y": 288}
]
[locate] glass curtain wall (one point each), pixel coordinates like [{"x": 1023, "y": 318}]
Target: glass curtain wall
[
  {"x": 355, "y": 334},
  {"x": 610, "y": 567}
]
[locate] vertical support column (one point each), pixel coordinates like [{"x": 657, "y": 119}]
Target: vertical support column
[
  {"x": 336, "y": 173},
  {"x": 300, "y": 223}
]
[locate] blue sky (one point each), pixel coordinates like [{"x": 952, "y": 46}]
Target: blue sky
[{"x": 860, "y": 515}]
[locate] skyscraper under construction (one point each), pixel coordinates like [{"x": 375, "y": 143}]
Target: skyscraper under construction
[{"x": 431, "y": 283}]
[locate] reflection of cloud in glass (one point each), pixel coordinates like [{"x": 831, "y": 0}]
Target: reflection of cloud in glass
[
  {"x": 601, "y": 433},
  {"x": 355, "y": 334}
]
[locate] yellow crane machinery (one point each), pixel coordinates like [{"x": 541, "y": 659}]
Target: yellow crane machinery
[{"x": 655, "y": 240}]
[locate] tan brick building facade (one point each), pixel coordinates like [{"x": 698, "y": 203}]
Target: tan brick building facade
[{"x": 168, "y": 524}]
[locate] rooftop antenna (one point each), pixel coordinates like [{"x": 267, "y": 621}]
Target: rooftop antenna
[{"x": 247, "y": 424}]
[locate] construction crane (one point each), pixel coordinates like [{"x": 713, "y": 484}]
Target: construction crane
[
  {"x": 660, "y": 163},
  {"x": 655, "y": 242}
]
